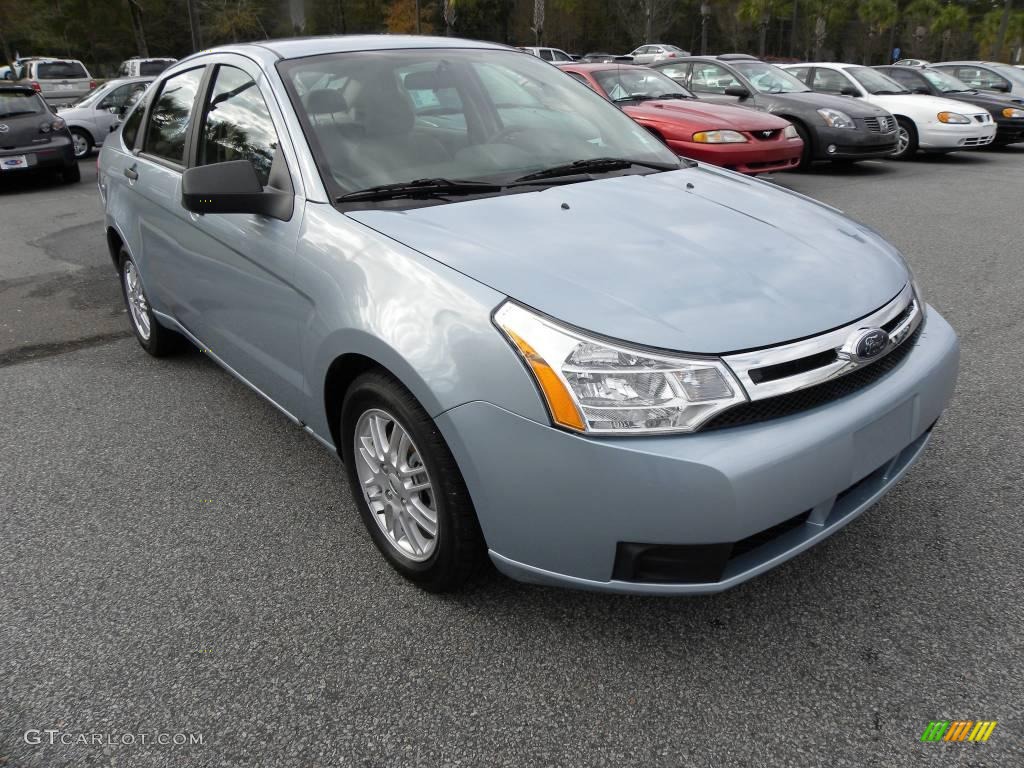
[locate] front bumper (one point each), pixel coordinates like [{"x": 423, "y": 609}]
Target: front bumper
[
  {"x": 947, "y": 137},
  {"x": 58, "y": 153},
  {"x": 752, "y": 157},
  {"x": 562, "y": 509},
  {"x": 852, "y": 144},
  {"x": 1009, "y": 131}
]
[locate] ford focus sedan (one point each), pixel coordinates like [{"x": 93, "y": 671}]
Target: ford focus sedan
[{"x": 530, "y": 331}]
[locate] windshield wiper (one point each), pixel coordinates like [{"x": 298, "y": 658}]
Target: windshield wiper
[
  {"x": 672, "y": 95},
  {"x": 593, "y": 165},
  {"x": 420, "y": 188}
]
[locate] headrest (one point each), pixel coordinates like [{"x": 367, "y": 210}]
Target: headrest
[
  {"x": 325, "y": 101},
  {"x": 429, "y": 80}
]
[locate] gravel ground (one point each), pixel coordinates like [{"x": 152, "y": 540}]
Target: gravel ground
[{"x": 176, "y": 558}]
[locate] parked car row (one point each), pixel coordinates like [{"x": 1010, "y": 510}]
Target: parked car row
[
  {"x": 818, "y": 111},
  {"x": 64, "y": 82},
  {"x": 529, "y": 329}
]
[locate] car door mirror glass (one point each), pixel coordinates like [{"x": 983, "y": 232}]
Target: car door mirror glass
[{"x": 738, "y": 91}]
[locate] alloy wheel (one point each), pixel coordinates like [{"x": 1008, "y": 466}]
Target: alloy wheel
[
  {"x": 136, "y": 297},
  {"x": 396, "y": 484},
  {"x": 902, "y": 141},
  {"x": 81, "y": 144}
]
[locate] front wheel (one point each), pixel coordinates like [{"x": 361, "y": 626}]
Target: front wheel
[
  {"x": 407, "y": 486},
  {"x": 906, "y": 139},
  {"x": 82, "y": 142}
]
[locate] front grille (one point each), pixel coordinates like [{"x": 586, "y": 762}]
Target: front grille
[
  {"x": 813, "y": 397},
  {"x": 766, "y": 135},
  {"x": 977, "y": 141},
  {"x": 880, "y": 124}
]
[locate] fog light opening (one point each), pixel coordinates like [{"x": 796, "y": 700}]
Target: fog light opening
[{"x": 831, "y": 149}]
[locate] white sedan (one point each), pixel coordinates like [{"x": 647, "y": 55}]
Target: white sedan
[{"x": 926, "y": 123}]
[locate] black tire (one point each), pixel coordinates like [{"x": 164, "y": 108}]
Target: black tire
[
  {"x": 161, "y": 341},
  {"x": 71, "y": 174},
  {"x": 459, "y": 549},
  {"x": 82, "y": 134},
  {"x": 906, "y": 124},
  {"x": 807, "y": 156}
]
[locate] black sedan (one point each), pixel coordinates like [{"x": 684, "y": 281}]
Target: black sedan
[
  {"x": 32, "y": 137},
  {"x": 1007, "y": 111},
  {"x": 832, "y": 127}
]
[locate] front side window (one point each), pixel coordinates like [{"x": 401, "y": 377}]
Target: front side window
[
  {"x": 678, "y": 72},
  {"x": 711, "y": 78},
  {"x": 168, "y": 120},
  {"x": 237, "y": 125},
  {"x": 875, "y": 82},
  {"x": 464, "y": 114},
  {"x": 800, "y": 73},
  {"x": 830, "y": 81},
  {"x": 767, "y": 78},
  {"x": 545, "y": 53}
]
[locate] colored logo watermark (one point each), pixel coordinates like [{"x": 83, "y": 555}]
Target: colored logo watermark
[{"x": 958, "y": 730}]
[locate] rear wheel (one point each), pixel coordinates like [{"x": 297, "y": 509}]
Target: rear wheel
[
  {"x": 153, "y": 337},
  {"x": 82, "y": 142},
  {"x": 407, "y": 486},
  {"x": 906, "y": 139},
  {"x": 71, "y": 174}
]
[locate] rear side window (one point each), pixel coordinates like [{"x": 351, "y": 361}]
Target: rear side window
[
  {"x": 545, "y": 53},
  {"x": 168, "y": 120},
  {"x": 14, "y": 103},
  {"x": 238, "y": 125},
  {"x": 60, "y": 70},
  {"x": 830, "y": 81}
]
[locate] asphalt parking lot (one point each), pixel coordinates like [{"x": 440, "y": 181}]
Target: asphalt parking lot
[{"x": 176, "y": 558}]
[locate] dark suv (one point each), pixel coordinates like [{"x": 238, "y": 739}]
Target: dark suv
[
  {"x": 1006, "y": 110},
  {"x": 32, "y": 137},
  {"x": 832, "y": 127}
]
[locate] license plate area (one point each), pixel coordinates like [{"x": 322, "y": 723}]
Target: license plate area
[{"x": 13, "y": 163}]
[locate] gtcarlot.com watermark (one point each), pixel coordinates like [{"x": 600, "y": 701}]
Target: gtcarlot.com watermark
[{"x": 53, "y": 736}]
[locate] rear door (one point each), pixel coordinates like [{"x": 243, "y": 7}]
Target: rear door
[
  {"x": 62, "y": 83},
  {"x": 155, "y": 176}
]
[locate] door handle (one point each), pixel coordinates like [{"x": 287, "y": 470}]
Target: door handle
[{"x": 131, "y": 173}]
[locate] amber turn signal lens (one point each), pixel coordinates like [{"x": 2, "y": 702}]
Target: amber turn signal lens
[{"x": 560, "y": 402}]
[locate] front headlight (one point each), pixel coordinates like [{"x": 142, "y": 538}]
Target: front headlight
[
  {"x": 790, "y": 132},
  {"x": 719, "y": 137},
  {"x": 1012, "y": 112},
  {"x": 597, "y": 387},
  {"x": 835, "y": 119},
  {"x": 953, "y": 117}
]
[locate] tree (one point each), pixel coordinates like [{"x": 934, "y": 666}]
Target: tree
[
  {"x": 952, "y": 18},
  {"x": 135, "y": 14},
  {"x": 538, "y": 21},
  {"x": 878, "y": 16},
  {"x": 402, "y": 18},
  {"x": 758, "y": 13},
  {"x": 646, "y": 20}
]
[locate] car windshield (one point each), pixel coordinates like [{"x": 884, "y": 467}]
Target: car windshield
[
  {"x": 60, "y": 70},
  {"x": 629, "y": 83},
  {"x": 875, "y": 82},
  {"x": 14, "y": 103},
  {"x": 944, "y": 82},
  {"x": 391, "y": 117},
  {"x": 767, "y": 78}
]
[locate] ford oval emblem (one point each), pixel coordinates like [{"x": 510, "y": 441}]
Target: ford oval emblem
[{"x": 867, "y": 344}]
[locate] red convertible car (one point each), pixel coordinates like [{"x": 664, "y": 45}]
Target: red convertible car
[{"x": 737, "y": 138}]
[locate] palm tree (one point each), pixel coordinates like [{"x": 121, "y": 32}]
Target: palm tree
[
  {"x": 951, "y": 18},
  {"x": 878, "y": 16},
  {"x": 758, "y": 13}
]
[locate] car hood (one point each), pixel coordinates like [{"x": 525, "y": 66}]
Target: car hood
[
  {"x": 812, "y": 100},
  {"x": 709, "y": 115},
  {"x": 696, "y": 260},
  {"x": 985, "y": 100}
]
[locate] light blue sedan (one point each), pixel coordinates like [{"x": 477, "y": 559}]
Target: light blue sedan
[{"x": 529, "y": 330}]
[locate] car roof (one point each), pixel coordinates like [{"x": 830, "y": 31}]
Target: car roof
[
  {"x": 13, "y": 87},
  {"x": 294, "y": 48}
]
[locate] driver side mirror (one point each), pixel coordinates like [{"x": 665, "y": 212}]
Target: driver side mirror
[
  {"x": 920, "y": 89},
  {"x": 738, "y": 91},
  {"x": 232, "y": 187},
  {"x": 849, "y": 90},
  {"x": 1002, "y": 87}
]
